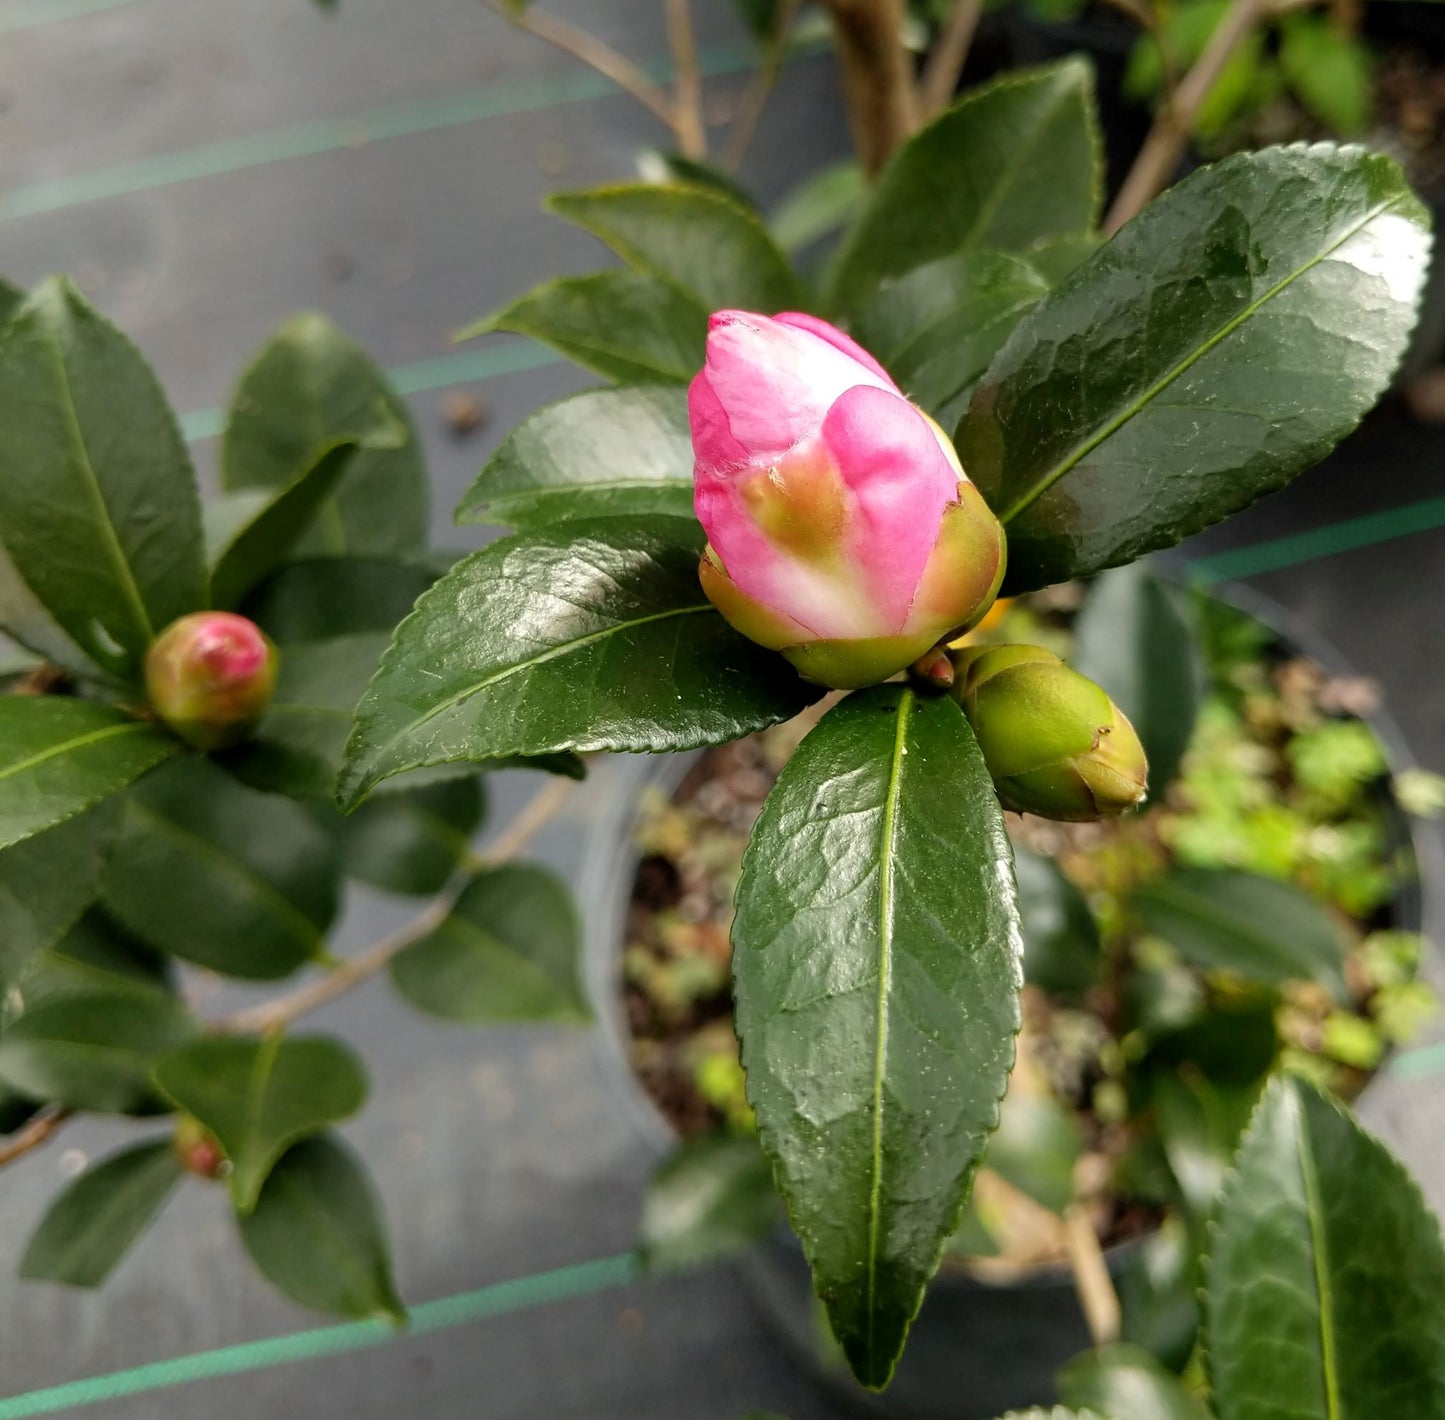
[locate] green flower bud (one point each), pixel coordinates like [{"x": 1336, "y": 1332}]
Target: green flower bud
[
  {"x": 210, "y": 676},
  {"x": 1054, "y": 742}
]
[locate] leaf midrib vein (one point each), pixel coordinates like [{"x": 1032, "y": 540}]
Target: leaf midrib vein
[
  {"x": 1112, "y": 426},
  {"x": 1320, "y": 1253},
  {"x": 885, "y": 952},
  {"x": 78, "y": 742},
  {"x": 517, "y": 667}
]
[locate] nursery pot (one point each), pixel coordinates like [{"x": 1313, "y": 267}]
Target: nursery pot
[{"x": 979, "y": 1347}]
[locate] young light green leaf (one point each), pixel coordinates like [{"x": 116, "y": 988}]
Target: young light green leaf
[
  {"x": 936, "y": 328},
  {"x": 1126, "y": 1383},
  {"x": 1219, "y": 345},
  {"x": 325, "y": 597},
  {"x": 98, "y": 505},
  {"x": 1011, "y": 163},
  {"x": 269, "y": 532},
  {"x": 1220, "y": 919},
  {"x": 703, "y": 244},
  {"x": 95, "y": 1222},
  {"x": 711, "y": 1199},
  {"x": 1331, "y": 70},
  {"x": 508, "y": 951},
  {"x": 46, "y": 883},
  {"x": 1134, "y": 639},
  {"x": 317, "y": 1233},
  {"x": 217, "y": 874},
  {"x": 59, "y": 756},
  {"x": 259, "y": 1097},
  {"x": 311, "y": 386},
  {"x": 594, "y": 635},
  {"x": 1061, "y": 938},
  {"x": 1035, "y": 1147},
  {"x": 1326, "y": 1275},
  {"x": 877, "y": 969},
  {"x": 596, "y": 454},
  {"x": 621, "y": 325},
  {"x": 411, "y": 840},
  {"x": 93, "y": 1051},
  {"x": 12, "y": 297}
]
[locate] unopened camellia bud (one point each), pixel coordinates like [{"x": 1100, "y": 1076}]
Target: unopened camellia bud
[
  {"x": 1054, "y": 742},
  {"x": 842, "y": 530},
  {"x": 210, "y": 676},
  {"x": 198, "y": 1149}
]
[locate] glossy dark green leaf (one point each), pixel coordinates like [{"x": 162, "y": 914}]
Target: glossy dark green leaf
[
  {"x": 1055, "y": 257},
  {"x": 1326, "y": 1277},
  {"x": 936, "y": 328},
  {"x": 46, "y": 883},
  {"x": 1219, "y": 345},
  {"x": 1231, "y": 1044},
  {"x": 1126, "y": 1383},
  {"x": 1011, "y": 163},
  {"x": 1061, "y": 938},
  {"x": 1158, "y": 1294},
  {"x": 317, "y": 1232},
  {"x": 59, "y": 756},
  {"x": 1219, "y": 919},
  {"x": 819, "y": 205},
  {"x": 326, "y": 597},
  {"x": 876, "y": 960},
  {"x": 711, "y": 1199},
  {"x": 98, "y": 505},
  {"x": 1134, "y": 638},
  {"x": 410, "y": 840},
  {"x": 701, "y": 243},
  {"x": 593, "y": 636},
  {"x": 265, "y": 537},
  {"x": 297, "y": 747},
  {"x": 621, "y": 325},
  {"x": 596, "y": 454},
  {"x": 259, "y": 1097},
  {"x": 93, "y": 1051},
  {"x": 12, "y": 297},
  {"x": 215, "y": 873},
  {"x": 508, "y": 951},
  {"x": 312, "y": 385},
  {"x": 92, "y": 1225}
]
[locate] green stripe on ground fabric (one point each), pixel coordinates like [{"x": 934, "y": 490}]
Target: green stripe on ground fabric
[
  {"x": 538, "y": 1290},
  {"x": 28, "y": 14}
]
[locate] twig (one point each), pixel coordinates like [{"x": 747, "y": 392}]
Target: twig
[
  {"x": 760, "y": 87},
  {"x": 687, "y": 107},
  {"x": 1097, "y": 1297},
  {"x": 40, "y": 1127},
  {"x": 950, "y": 53},
  {"x": 877, "y": 74},
  {"x": 1169, "y": 136},
  {"x": 277, "y": 1014},
  {"x": 591, "y": 51}
]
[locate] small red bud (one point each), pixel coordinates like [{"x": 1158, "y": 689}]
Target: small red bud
[
  {"x": 198, "y": 1149},
  {"x": 210, "y": 676},
  {"x": 934, "y": 668}
]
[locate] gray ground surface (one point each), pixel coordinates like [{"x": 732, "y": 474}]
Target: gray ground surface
[{"x": 501, "y": 1154}]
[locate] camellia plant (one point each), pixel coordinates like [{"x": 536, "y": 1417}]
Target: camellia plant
[
  {"x": 170, "y": 731},
  {"x": 820, "y": 511}
]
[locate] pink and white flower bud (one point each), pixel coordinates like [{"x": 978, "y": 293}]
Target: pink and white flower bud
[
  {"x": 210, "y": 676},
  {"x": 842, "y": 530}
]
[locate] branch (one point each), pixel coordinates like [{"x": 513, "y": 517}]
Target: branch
[
  {"x": 593, "y": 52},
  {"x": 950, "y": 52},
  {"x": 877, "y": 74},
  {"x": 277, "y": 1014},
  {"x": 687, "y": 108},
  {"x": 1169, "y": 137},
  {"x": 1097, "y": 1298},
  {"x": 40, "y": 1127},
  {"x": 760, "y": 87}
]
